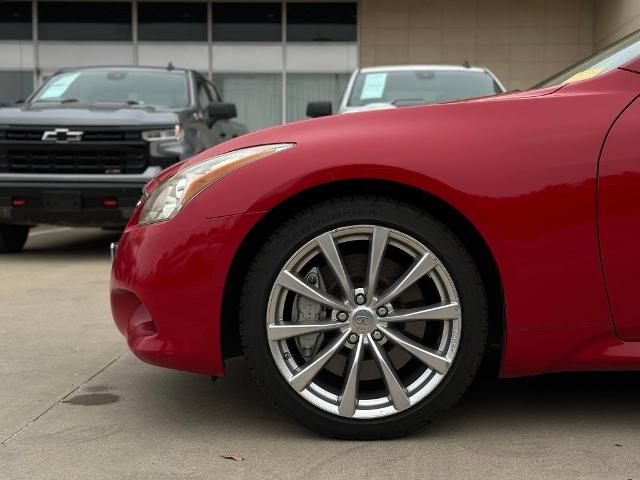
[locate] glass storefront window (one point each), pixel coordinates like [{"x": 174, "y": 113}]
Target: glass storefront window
[
  {"x": 258, "y": 97},
  {"x": 173, "y": 21},
  {"x": 97, "y": 21},
  {"x": 247, "y": 22},
  {"x": 15, "y": 21},
  {"x": 309, "y": 87},
  {"x": 15, "y": 86},
  {"x": 257, "y": 91},
  {"x": 322, "y": 22}
]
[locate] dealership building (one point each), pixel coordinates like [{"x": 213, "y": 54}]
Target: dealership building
[{"x": 271, "y": 58}]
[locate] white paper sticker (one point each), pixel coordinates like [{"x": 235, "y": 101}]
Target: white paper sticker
[
  {"x": 59, "y": 86},
  {"x": 373, "y": 87}
]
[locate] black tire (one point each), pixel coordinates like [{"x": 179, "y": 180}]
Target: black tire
[
  {"x": 13, "y": 238},
  {"x": 325, "y": 216}
]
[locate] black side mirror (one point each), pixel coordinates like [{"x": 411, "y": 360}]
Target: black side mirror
[
  {"x": 319, "y": 109},
  {"x": 221, "y": 111}
]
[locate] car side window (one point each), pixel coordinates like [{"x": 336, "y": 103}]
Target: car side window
[
  {"x": 213, "y": 92},
  {"x": 204, "y": 98}
]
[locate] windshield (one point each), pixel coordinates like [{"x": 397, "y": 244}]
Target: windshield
[
  {"x": 414, "y": 87},
  {"x": 133, "y": 87},
  {"x": 611, "y": 57}
]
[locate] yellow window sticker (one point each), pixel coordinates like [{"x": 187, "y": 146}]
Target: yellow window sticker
[{"x": 584, "y": 75}]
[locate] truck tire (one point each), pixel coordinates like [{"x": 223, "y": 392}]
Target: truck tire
[{"x": 13, "y": 238}]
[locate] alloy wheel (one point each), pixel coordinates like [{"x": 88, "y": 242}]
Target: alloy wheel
[{"x": 363, "y": 321}]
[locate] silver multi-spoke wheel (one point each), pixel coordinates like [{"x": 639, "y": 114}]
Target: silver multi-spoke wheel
[{"x": 363, "y": 321}]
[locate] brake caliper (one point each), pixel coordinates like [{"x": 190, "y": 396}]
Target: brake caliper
[{"x": 305, "y": 310}]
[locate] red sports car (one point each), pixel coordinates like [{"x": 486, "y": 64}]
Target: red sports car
[{"x": 362, "y": 263}]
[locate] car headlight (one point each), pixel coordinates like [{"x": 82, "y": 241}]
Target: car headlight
[
  {"x": 163, "y": 135},
  {"x": 168, "y": 198}
]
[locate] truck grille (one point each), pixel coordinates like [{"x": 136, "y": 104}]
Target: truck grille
[
  {"x": 101, "y": 151},
  {"x": 90, "y": 135},
  {"x": 72, "y": 161}
]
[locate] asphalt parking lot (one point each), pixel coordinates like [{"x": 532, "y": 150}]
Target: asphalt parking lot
[{"x": 75, "y": 404}]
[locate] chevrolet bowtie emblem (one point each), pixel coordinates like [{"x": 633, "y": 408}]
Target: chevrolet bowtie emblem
[{"x": 61, "y": 135}]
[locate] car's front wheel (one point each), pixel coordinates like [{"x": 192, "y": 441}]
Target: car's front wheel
[
  {"x": 363, "y": 317},
  {"x": 13, "y": 238}
]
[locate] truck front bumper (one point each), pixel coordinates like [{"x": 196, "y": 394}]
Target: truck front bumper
[{"x": 72, "y": 200}]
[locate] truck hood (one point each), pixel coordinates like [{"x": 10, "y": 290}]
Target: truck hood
[{"x": 89, "y": 115}]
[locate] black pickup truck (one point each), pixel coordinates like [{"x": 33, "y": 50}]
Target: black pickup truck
[{"x": 80, "y": 149}]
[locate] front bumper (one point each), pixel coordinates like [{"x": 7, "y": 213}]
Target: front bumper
[
  {"x": 113, "y": 248},
  {"x": 74, "y": 200},
  {"x": 167, "y": 288}
]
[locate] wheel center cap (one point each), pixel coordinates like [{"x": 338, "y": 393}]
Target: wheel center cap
[{"x": 362, "y": 321}]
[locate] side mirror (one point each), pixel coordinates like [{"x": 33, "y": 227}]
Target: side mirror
[
  {"x": 221, "y": 111},
  {"x": 319, "y": 109}
]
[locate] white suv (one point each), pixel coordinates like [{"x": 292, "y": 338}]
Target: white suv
[{"x": 375, "y": 88}]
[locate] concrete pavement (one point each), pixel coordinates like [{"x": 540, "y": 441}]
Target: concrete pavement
[{"x": 75, "y": 404}]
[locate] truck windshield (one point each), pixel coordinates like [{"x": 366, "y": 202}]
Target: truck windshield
[
  {"x": 611, "y": 57},
  {"x": 417, "y": 87},
  {"x": 133, "y": 87}
]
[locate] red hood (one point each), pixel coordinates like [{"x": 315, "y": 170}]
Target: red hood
[{"x": 337, "y": 126}]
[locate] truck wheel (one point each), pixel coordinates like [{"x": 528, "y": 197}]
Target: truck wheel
[{"x": 13, "y": 238}]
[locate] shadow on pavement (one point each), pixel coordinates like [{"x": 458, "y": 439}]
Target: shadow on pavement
[
  {"x": 575, "y": 390},
  {"x": 85, "y": 243},
  {"x": 549, "y": 402}
]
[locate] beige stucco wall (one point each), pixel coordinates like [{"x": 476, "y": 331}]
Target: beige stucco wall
[
  {"x": 522, "y": 41},
  {"x": 614, "y": 19}
]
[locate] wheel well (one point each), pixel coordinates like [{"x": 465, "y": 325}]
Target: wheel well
[{"x": 471, "y": 238}]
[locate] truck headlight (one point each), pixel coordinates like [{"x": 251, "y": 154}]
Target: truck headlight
[
  {"x": 167, "y": 199},
  {"x": 163, "y": 135}
]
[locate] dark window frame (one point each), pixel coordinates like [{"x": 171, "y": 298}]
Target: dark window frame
[
  {"x": 148, "y": 9},
  {"x": 55, "y": 18},
  {"x": 230, "y": 23},
  {"x": 322, "y": 22},
  {"x": 20, "y": 29}
]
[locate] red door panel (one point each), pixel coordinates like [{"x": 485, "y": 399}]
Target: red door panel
[{"x": 619, "y": 220}]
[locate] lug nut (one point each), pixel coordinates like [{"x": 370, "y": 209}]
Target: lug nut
[
  {"x": 361, "y": 299},
  {"x": 377, "y": 335},
  {"x": 353, "y": 338},
  {"x": 342, "y": 316},
  {"x": 313, "y": 279},
  {"x": 382, "y": 311}
]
